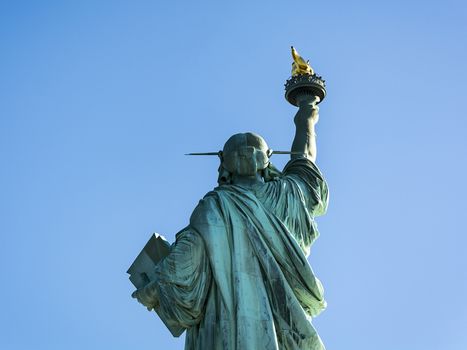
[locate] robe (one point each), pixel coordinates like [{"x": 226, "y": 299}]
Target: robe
[{"x": 237, "y": 277}]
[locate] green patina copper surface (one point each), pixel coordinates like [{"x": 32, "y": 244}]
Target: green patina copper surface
[{"x": 237, "y": 277}]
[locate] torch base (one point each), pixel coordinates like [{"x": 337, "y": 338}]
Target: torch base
[{"x": 304, "y": 84}]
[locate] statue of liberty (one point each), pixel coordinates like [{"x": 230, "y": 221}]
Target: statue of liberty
[{"x": 237, "y": 277}]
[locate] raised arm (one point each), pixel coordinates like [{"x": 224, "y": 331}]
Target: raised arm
[{"x": 304, "y": 143}]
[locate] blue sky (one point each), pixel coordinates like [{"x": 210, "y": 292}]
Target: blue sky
[{"x": 99, "y": 100}]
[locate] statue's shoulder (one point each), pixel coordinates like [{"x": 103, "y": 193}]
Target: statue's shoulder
[
  {"x": 303, "y": 168},
  {"x": 207, "y": 210}
]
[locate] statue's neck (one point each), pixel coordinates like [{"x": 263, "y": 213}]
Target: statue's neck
[{"x": 247, "y": 181}]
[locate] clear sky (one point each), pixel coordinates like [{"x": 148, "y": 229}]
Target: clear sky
[{"x": 99, "y": 100}]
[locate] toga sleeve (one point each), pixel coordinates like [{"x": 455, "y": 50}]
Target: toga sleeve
[
  {"x": 311, "y": 182},
  {"x": 182, "y": 281},
  {"x": 296, "y": 198}
]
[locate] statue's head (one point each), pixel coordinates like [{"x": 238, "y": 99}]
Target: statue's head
[{"x": 244, "y": 154}]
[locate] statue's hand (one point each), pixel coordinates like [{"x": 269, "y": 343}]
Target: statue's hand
[
  {"x": 147, "y": 296},
  {"x": 308, "y": 108},
  {"x": 308, "y": 100}
]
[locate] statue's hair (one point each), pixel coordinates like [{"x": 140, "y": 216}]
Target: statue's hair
[{"x": 268, "y": 174}]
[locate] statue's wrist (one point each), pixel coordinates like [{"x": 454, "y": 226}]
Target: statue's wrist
[{"x": 306, "y": 121}]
